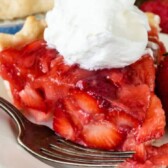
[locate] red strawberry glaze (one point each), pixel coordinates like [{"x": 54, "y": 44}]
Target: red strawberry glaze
[{"x": 112, "y": 109}]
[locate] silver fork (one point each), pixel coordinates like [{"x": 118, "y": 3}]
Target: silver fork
[{"x": 44, "y": 143}]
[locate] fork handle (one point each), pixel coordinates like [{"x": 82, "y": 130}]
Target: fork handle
[{"x": 14, "y": 113}]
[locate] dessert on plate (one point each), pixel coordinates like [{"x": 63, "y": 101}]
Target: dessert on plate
[{"x": 92, "y": 78}]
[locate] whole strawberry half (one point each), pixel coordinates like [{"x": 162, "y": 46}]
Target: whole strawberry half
[
  {"x": 159, "y": 7},
  {"x": 162, "y": 83}
]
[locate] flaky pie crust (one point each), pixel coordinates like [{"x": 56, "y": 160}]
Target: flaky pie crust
[
  {"x": 11, "y": 9},
  {"x": 32, "y": 30}
]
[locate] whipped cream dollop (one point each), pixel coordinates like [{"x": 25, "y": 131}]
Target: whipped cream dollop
[{"x": 97, "y": 34}]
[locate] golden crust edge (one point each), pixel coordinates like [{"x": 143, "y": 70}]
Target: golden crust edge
[
  {"x": 32, "y": 30},
  {"x": 13, "y": 9}
]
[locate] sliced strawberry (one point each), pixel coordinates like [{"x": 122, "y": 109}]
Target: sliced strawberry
[
  {"x": 86, "y": 102},
  {"x": 78, "y": 116},
  {"x": 31, "y": 99},
  {"x": 141, "y": 154},
  {"x": 123, "y": 121},
  {"x": 154, "y": 124},
  {"x": 61, "y": 124},
  {"x": 38, "y": 116},
  {"x": 102, "y": 134},
  {"x": 136, "y": 98},
  {"x": 82, "y": 108},
  {"x": 50, "y": 88}
]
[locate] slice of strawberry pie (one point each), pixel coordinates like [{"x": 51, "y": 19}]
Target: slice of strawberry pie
[
  {"x": 93, "y": 76},
  {"x": 112, "y": 109}
]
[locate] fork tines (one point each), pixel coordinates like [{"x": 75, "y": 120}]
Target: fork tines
[{"x": 66, "y": 151}]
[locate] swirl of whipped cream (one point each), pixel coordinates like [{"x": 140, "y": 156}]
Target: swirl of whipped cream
[{"x": 97, "y": 34}]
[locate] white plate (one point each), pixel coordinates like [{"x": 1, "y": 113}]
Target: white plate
[{"x": 14, "y": 156}]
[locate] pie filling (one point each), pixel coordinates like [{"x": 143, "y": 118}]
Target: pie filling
[{"x": 112, "y": 109}]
